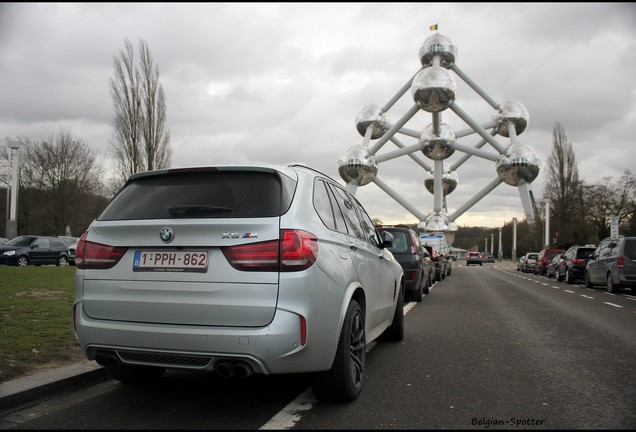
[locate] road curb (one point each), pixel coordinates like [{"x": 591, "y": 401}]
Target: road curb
[{"x": 44, "y": 385}]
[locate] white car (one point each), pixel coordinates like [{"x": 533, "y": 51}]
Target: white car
[{"x": 237, "y": 270}]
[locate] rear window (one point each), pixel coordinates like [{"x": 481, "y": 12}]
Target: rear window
[
  {"x": 202, "y": 194},
  {"x": 400, "y": 242},
  {"x": 584, "y": 253},
  {"x": 630, "y": 249}
]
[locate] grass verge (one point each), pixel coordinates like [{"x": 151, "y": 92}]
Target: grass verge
[{"x": 36, "y": 319}]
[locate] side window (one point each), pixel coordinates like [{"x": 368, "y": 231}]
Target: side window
[
  {"x": 42, "y": 243},
  {"x": 322, "y": 205},
  {"x": 348, "y": 211},
  {"x": 367, "y": 225},
  {"x": 604, "y": 250}
]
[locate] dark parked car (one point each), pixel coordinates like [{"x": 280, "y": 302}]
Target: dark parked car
[
  {"x": 487, "y": 257},
  {"x": 438, "y": 261},
  {"x": 71, "y": 243},
  {"x": 237, "y": 270},
  {"x": 553, "y": 267},
  {"x": 414, "y": 259},
  {"x": 473, "y": 258},
  {"x": 613, "y": 264},
  {"x": 572, "y": 266},
  {"x": 37, "y": 250},
  {"x": 543, "y": 259}
]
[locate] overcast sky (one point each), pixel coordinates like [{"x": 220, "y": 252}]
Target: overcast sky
[{"x": 282, "y": 83}]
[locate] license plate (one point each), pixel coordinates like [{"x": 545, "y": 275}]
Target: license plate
[{"x": 173, "y": 261}]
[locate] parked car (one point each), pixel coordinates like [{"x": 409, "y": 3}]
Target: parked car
[
  {"x": 527, "y": 261},
  {"x": 552, "y": 270},
  {"x": 238, "y": 270},
  {"x": 575, "y": 259},
  {"x": 438, "y": 262},
  {"x": 473, "y": 258},
  {"x": 414, "y": 259},
  {"x": 71, "y": 243},
  {"x": 519, "y": 263},
  {"x": 543, "y": 259},
  {"x": 36, "y": 250},
  {"x": 613, "y": 264},
  {"x": 487, "y": 257},
  {"x": 438, "y": 241}
]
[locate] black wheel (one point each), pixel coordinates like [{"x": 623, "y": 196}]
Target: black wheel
[
  {"x": 568, "y": 277},
  {"x": 134, "y": 374},
  {"x": 611, "y": 286},
  {"x": 23, "y": 261},
  {"x": 588, "y": 282},
  {"x": 62, "y": 261},
  {"x": 418, "y": 294},
  {"x": 395, "y": 332},
  {"x": 343, "y": 382}
]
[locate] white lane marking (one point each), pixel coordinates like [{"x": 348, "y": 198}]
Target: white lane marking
[
  {"x": 587, "y": 296},
  {"x": 568, "y": 291},
  {"x": 288, "y": 416},
  {"x": 612, "y": 304}
]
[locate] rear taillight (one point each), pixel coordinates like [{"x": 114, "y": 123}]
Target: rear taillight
[
  {"x": 295, "y": 250},
  {"x": 577, "y": 261},
  {"x": 412, "y": 275},
  {"x": 621, "y": 261},
  {"x": 89, "y": 255}
]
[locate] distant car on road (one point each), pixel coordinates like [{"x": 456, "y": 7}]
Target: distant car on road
[
  {"x": 487, "y": 257},
  {"x": 473, "y": 258},
  {"x": 574, "y": 262},
  {"x": 544, "y": 258},
  {"x": 36, "y": 250}
]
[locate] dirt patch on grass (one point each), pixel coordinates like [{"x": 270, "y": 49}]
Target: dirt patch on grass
[{"x": 39, "y": 293}]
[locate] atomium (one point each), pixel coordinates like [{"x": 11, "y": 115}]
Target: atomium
[{"x": 434, "y": 91}]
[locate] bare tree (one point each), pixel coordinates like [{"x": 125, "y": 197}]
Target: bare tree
[
  {"x": 141, "y": 141},
  {"x": 565, "y": 190},
  {"x": 611, "y": 199},
  {"x": 59, "y": 177}
]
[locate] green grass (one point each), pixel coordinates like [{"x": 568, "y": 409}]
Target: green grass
[{"x": 36, "y": 318}]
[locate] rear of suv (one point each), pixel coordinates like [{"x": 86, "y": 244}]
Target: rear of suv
[
  {"x": 572, "y": 265},
  {"x": 236, "y": 270},
  {"x": 613, "y": 264},
  {"x": 414, "y": 259}
]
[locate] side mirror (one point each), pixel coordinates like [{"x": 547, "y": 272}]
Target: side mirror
[{"x": 387, "y": 239}]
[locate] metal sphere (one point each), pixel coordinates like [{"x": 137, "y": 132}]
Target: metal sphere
[
  {"x": 511, "y": 111},
  {"x": 434, "y": 89},
  {"x": 436, "y": 222},
  {"x": 438, "y": 147},
  {"x": 519, "y": 164},
  {"x": 358, "y": 166},
  {"x": 438, "y": 45},
  {"x": 449, "y": 180},
  {"x": 371, "y": 115}
]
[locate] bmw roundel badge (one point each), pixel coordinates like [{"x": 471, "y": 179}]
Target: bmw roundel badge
[{"x": 166, "y": 235}]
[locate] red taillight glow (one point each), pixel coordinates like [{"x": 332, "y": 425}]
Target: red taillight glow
[
  {"x": 412, "y": 275},
  {"x": 621, "y": 261},
  {"x": 577, "y": 261},
  {"x": 294, "y": 251},
  {"x": 89, "y": 255},
  {"x": 303, "y": 331}
]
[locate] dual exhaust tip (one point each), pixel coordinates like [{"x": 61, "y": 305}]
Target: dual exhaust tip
[{"x": 224, "y": 368}]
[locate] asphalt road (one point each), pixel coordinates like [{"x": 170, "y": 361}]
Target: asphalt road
[{"x": 489, "y": 348}]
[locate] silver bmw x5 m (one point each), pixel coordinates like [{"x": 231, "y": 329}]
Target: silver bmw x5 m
[{"x": 237, "y": 270}]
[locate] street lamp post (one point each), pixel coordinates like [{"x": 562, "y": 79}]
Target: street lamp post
[{"x": 12, "y": 221}]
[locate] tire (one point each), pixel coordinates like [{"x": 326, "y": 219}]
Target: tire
[
  {"x": 588, "y": 282},
  {"x": 427, "y": 286},
  {"x": 568, "y": 277},
  {"x": 557, "y": 275},
  {"x": 23, "y": 261},
  {"x": 418, "y": 294},
  {"x": 395, "y": 332},
  {"x": 62, "y": 261},
  {"x": 343, "y": 382},
  {"x": 611, "y": 286}
]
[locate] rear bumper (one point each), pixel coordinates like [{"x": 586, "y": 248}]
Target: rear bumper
[{"x": 275, "y": 348}]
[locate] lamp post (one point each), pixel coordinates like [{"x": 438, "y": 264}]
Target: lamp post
[
  {"x": 12, "y": 221},
  {"x": 547, "y": 222},
  {"x": 514, "y": 240}
]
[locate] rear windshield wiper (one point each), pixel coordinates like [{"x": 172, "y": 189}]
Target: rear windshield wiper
[{"x": 198, "y": 210}]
